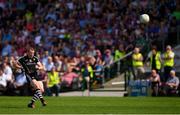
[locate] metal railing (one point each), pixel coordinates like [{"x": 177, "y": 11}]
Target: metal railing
[{"x": 118, "y": 67}]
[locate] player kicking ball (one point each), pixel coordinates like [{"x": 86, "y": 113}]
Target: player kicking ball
[{"x": 31, "y": 65}]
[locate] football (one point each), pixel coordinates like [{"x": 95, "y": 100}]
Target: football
[{"x": 144, "y": 18}]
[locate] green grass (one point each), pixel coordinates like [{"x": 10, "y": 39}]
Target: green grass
[{"x": 92, "y": 105}]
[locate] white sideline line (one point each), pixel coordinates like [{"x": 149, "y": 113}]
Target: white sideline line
[{"x": 117, "y": 83}]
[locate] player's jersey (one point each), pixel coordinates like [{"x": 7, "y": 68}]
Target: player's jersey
[{"x": 29, "y": 65}]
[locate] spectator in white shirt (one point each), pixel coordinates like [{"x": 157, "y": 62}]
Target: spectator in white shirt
[
  {"x": 172, "y": 83},
  {"x": 8, "y": 71},
  {"x": 3, "y": 80},
  {"x": 50, "y": 64}
]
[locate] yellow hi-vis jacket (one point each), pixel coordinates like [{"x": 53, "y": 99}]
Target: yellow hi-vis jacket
[
  {"x": 90, "y": 71},
  {"x": 118, "y": 55},
  {"x": 136, "y": 57},
  {"x": 157, "y": 60},
  {"x": 53, "y": 78},
  {"x": 169, "y": 62}
]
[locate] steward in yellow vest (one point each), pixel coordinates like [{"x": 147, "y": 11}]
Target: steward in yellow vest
[
  {"x": 137, "y": 62},
  {"x": 155, "y": 60},
  {"x": 87, "y": 75},
  {"x": 119, "y": 53},
  {"x": 53, "y": 83},
  {"x": 169, "y": 58},
  {"x": 168, "y": 62}
]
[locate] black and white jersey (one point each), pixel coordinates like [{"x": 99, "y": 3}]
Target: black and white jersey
[{"x": 29, "y": 64}]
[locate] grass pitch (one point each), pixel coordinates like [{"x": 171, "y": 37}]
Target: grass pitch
[{"x": 92, "y": 105}]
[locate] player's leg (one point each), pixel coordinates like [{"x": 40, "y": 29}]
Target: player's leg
[
  {"x": 39, "y": 89},
  {"x": 35, "y": 96},
  {"x": 40, "y": 86},
  {"x": 37, "y": 93}
]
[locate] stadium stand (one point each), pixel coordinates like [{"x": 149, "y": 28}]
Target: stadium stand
[{"x": 71, "y": 32}]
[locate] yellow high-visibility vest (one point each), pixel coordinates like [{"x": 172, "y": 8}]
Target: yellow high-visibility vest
[
  {"x": 53, "y": 79},
  {"x": 118, "y": 54},
  {"x": 137, "y": 63},
  {"x": 169, "y": 62},
  {"x": 90, "y": 70},
  {"x": 157, "y": 60}
]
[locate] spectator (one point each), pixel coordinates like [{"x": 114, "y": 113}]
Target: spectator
[
  {"x": 19, "y": 84},
  {"x": 7, "y": 36},
  {"x": 7, "y": 49},
  {"x": 98, "y": 55},
  {"x": 8, "y": 72},
  {"x": 45, "y": 57},
  {"x": 68, "y": 77},
  {"x": 87, "y": 76},
  {"x": 3, "y": 81},
  {"x": 49, "y": 64},
  {"x": 108, "y": 60},
  {"x": 119, "y": 53},
  {"x": 168, "y": 62},
  {"x": 155, "y": 82},
  {"x": 57, "y": 63},
  {"x": 99, "y": 73},
  {"x": 137, "y": 60},
  {"x": 155, "y": 59},
  {"x": 171, "y": 84},
  {"x": 53, "y": 82}
]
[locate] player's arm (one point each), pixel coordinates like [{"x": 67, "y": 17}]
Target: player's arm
[
  {"x": 40, "y": 66},
  {"x": 16, "y": 64}
]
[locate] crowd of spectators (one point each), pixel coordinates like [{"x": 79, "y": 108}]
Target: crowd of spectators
[{"x": 70, "y": 33}]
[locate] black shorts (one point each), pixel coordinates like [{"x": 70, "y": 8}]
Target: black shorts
[{"x": 30, "y": 77}]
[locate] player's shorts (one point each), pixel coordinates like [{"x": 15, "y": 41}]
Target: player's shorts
[{"x": 31, "y": 77}]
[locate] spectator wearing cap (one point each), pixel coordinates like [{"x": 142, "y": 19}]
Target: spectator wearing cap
[{"x": 168, "y": 62}]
